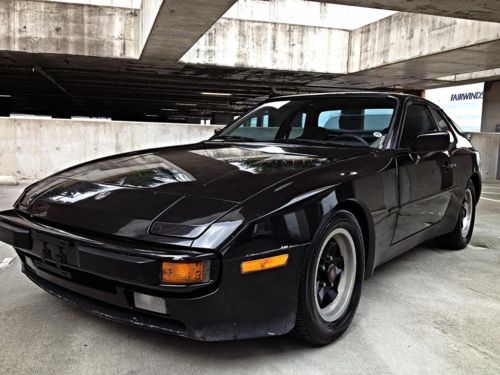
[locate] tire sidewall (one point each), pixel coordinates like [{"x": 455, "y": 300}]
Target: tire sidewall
[
  {"x": 328, "y": 331},
  {"x": 466, "y": 239}
]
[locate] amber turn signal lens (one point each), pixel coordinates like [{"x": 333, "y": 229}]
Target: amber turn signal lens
[
  {"x": 182, "y": 272},
  {"x": 264, "y": 263}
]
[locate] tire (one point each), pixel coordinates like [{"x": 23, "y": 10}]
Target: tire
[
  {"x": 321, "y": 319},
  {"x": 460, "y": 236}
]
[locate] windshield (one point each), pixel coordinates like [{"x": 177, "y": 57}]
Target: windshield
[{"x": 336, "y": 120}]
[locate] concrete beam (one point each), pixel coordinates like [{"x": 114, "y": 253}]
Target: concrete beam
[
  {"x": 407, "y": 36},
  {"x": 178, "y": 25},
  {"x": 72, "y": 29},
  {"x": 266, "y": 45},
  {"x": 148, "y": 13},
  {"x": 404, "y": 50},
  {"x": 160, "y": 32},
  {"x": 306, "y": 13},
  {"x": 58, "y": 27},
  {"x": 479, "y": 76},
  {"x": 480, "y": 10}
]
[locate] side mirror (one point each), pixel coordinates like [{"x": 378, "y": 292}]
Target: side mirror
[
  {"x": 217, "y": 130},
  {"x": 434, "y": 141}
]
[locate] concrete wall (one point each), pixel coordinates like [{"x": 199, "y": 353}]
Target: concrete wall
[
  {"x": 34, "y": 148},
  {"x": 74, "y": 29},
  {"x": 491, "y": 107},
  {"x": 488, "y": 144}
]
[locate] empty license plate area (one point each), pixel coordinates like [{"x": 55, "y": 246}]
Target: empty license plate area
[{"x": 52, "y": 249}]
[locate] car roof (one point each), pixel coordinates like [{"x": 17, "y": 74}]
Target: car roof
[{"x": 363, "y": 94}]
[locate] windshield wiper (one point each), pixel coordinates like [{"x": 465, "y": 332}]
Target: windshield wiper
[
  {"x": 229, "y": 137},
  {"x": 302, "y": 140},
  {"x": 318, "y": 142}
]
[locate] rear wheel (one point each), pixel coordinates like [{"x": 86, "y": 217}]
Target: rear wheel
[
  {"x": 460, "y": 236},
  {"x": 331, "y": 283}
]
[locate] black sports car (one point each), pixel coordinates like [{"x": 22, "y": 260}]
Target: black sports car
[{"x": 269, "y": 226}]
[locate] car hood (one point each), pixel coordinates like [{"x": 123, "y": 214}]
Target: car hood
[{"x": 188, "y": 186}]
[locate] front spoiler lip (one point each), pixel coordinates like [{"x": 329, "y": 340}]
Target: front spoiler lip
[{"x": 106, "y": 311}]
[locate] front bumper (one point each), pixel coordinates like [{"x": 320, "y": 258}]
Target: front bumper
[{"x": 230, "y": 306}]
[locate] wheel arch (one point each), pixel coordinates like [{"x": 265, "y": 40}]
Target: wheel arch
[
  {"x": 363, "y": 216},
  {"x": 476, "y": 181}
]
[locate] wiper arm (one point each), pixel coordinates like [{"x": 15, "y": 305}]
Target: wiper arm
[
  {"x": 229, "y": 137},
  {"x": 318, "y": 142},
  {"x": 302, "y": 140}
]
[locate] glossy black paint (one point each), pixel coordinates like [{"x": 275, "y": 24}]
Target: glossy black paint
[
  {"x": 432, "y": 142},
  {"x": 99, "y": 231}
]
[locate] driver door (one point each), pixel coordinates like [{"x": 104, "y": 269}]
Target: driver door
[{"x": 425, "y": 178}]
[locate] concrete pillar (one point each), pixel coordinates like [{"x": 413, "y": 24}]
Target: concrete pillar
[
  {"x": 490, "y": 121},
  {"x": 489, "y": 144}
]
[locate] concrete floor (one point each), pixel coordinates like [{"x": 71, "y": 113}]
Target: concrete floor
[{"x": 428, "y": 311}]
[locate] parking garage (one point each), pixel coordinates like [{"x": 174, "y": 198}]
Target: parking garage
[{"x": 81, "y": 80}]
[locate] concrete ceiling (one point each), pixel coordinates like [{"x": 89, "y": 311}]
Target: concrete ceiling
[
  {"x": 480, "y": 10},
  {"x": 133, "y": 90},
  {"x": 156, "y": 87}
]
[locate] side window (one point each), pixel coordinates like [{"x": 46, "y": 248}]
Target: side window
[
  {"x": 442, "y": 124},
  {"x": 265, "y": 120},
  {"x": 417, "y": 121},
  {"x": 259, "y": 121},
  {"x": 440, "y": 121},
  {"x": 329, "y": 119}
]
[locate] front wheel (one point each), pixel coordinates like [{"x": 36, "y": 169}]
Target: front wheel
[
  {"x": 331, "y": 283},
  {"x": 460, "y": 236}
]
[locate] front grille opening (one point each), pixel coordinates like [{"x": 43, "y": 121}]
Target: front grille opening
[{"x": 83, "y": 278}]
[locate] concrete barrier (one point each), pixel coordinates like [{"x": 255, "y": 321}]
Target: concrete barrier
[
  {"x": 34, "y": 148},
  {"x": 488, "y": 145}
]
